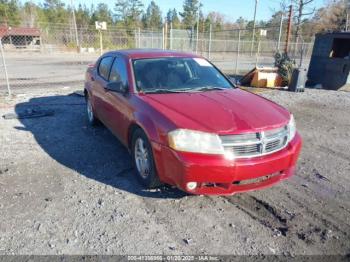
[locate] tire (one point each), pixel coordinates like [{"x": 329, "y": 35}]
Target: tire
[
  {"x": 92, "y": 119},
  {"x": 143, "y": 161}
]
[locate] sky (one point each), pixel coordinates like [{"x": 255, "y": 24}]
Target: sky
[{"x": 232, "y": 9}]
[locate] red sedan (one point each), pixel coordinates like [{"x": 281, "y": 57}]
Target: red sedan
[{"x": 186, "y": 124}]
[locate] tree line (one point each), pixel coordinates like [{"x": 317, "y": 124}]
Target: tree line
[
  {"x": 131, "y": 14},
  {"x": 126, "y": 13}
]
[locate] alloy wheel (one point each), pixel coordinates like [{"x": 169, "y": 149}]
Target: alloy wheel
[
  {"x": 89, "y": 111},
  {"x": 142, "y": 160}
]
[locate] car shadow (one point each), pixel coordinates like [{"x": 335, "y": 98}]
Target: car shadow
[{"x": 91, "y": 151}]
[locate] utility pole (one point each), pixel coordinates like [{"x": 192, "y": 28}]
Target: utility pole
[
  {"x": 280, "y": 33},
  {"x": 254, "y": 23},
  {"x": 289, "y": 28},
  {"x": 197, "y": 38},
  {"x": 75, "y": 26}
]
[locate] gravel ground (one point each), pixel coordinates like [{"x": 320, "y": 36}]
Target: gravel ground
[{"x": 67, "y": 188}]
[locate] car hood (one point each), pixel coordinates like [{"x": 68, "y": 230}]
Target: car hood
[{"x": 222, "y": 112}]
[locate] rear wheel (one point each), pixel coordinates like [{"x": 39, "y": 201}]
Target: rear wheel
[
  {"x": 143, "y": 160},
  {"x": 93, "y": 121}
]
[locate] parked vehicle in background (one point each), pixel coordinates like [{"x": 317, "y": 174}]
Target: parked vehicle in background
[{"x": 187, "y": 125}]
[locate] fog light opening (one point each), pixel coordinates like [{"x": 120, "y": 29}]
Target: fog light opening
[{"x": 191, "y": 185}]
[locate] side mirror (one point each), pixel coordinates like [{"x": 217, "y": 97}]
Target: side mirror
[{"x": 117, "y": 87}]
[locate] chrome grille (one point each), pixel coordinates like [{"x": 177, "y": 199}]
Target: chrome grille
[
  {"x": 256, "y": 144},
  {"x": 246, "y": 150}
]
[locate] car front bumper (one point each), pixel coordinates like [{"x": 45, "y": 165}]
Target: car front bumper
[{"x": 216, "y": 175}]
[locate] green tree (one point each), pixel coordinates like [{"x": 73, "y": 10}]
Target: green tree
[
  {"x": 30, "y": 14},
  {"x": 82, "y": 16},
  {"x": 202, "y": 19},
  {"x": 274, "y": 23},
  {"x": 10, "y": 12},
  {"x": 153, "y": 16},
  {"x": 172, "y": 17},
  {"x": 190, "y": 12},
  {"x": 169, "y": 16},
  {"x": 102, "y": 13},
  {"x": 55, "y": 12},
  {"x": 128, "y": 12},
  {"x": 217, "y": 20},
  {"x": 207, "y": 23}
]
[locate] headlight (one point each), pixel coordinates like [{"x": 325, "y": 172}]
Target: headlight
[
  {"x": 291, "y": 128},
  {"x": 195, "y": 141}
]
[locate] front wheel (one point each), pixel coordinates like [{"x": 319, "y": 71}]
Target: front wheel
[{"x": 143, "y": 160}]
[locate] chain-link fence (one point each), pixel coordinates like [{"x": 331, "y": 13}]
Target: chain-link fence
[
  {"x": 235, "y": 51},
  {"x": 56, "y": 56},
  {"x": 4, "y": 79}
]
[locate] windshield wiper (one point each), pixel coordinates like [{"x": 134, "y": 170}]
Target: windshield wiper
[
  {"x": 163, "y": 91},
  {"x": 207, "y": 88},
  {"x": 184, "y": 90}
]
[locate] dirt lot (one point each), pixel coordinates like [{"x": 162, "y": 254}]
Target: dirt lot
[
  {"x": 67, "y": 188},
  {"x": 27, "y": 71}
]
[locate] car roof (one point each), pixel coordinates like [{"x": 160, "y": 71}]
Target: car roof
[{"x": 150, "y": 53}]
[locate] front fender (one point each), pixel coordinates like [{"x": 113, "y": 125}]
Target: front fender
[
  {"x": 157, "y": 136},
  {"x": 148, "y": 126}
]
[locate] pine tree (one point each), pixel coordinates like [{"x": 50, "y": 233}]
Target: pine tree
[
  {"x": 9, "y": 12},
  {"x": 175, "y": 19},
  {"x": 153, "y": 16},
  {"x": 129, "y": 12},
  {"x": 190, "y": 12},
  {"x": 55, "y": 12},
  {"x": 102, "y": 13},
  {"x": 29, "y": 14},
  {"x": 172, "y": 17},
  {"x": 82, "y": 16}
]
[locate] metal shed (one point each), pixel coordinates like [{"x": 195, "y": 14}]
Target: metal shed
[
  {"x": 20, "y": 37},
  {"x": 330, "y": 61}
]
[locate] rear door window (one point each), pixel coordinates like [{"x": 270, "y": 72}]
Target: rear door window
[{"x": 105, "y": 66}]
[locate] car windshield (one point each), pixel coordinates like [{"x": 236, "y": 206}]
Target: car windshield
[{"x": 177, "y": 74}]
